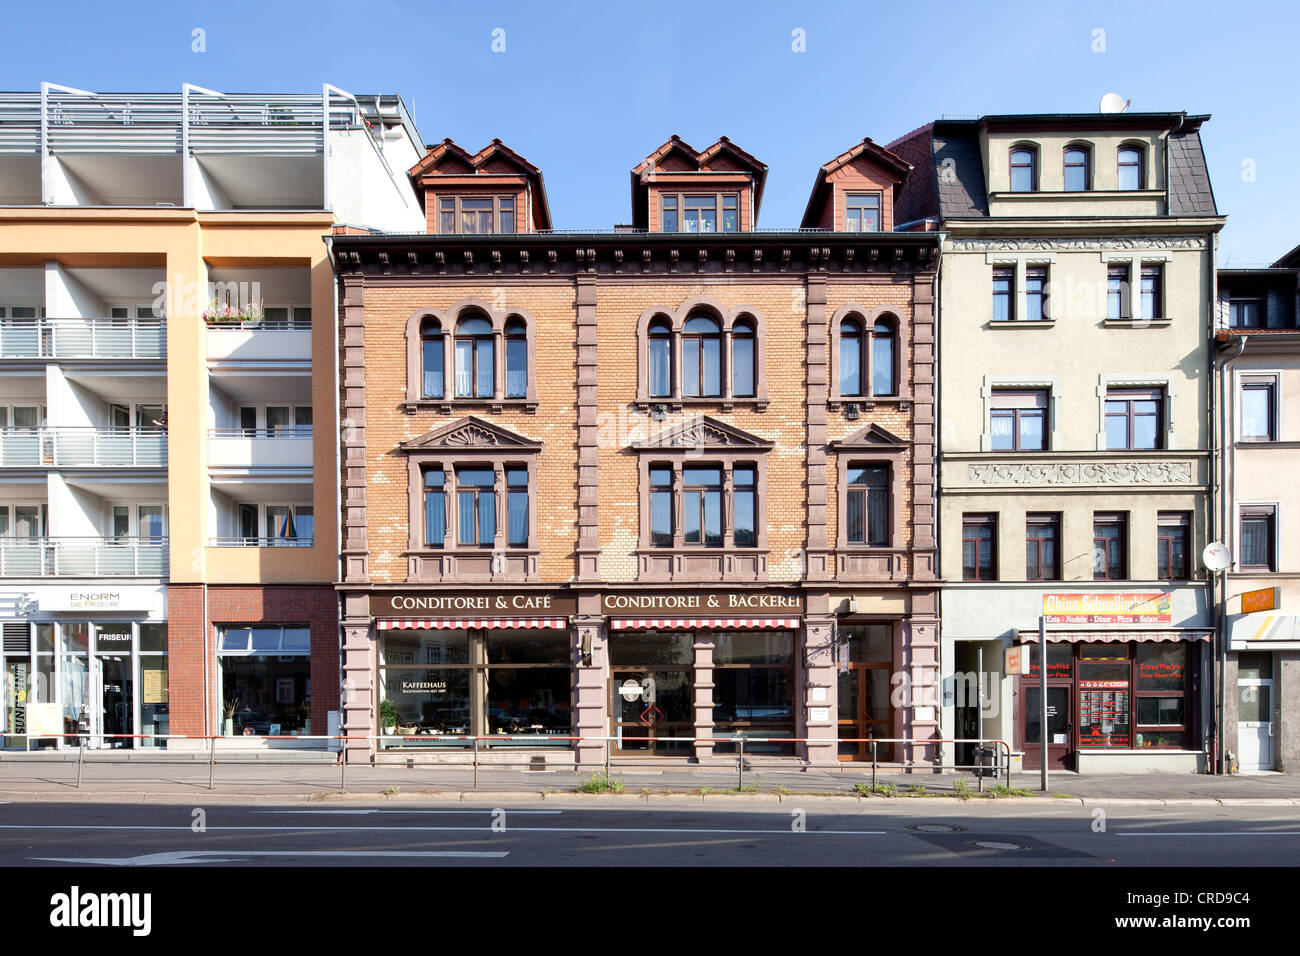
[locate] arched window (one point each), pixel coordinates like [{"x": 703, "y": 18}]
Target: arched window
[
  {"x": 884, "y": 378},
  {"x": 1024, "y": 169},
  {"x": 1078, "y": 169},
  {"x": 661, "y": 362},
  {"x": 852, "y": 346},
  {"x": 431, "y": 359},
  {"x": 1132, "y": 172},
  {"x": 474, "y": 358},
  {"x": 742, "y": 359},
  {"x": 701, "y": 357},
  {"x": 516, "y": 359}
]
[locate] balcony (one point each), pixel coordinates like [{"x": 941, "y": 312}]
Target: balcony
[
  {"x": 83, "y": 339},
  {"x": 83, "y": 557},
  {"x": 260, "y": 447},
  {"x": 277, "y": 542},
  {"x": 83, "y": 447}
]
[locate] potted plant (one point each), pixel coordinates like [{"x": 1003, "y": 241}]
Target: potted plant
[
  {"x": 218, "y": 313},
  {"x": 388, "y": 716}
]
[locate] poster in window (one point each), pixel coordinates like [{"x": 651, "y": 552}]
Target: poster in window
[{"x": 1104, "y": 713}]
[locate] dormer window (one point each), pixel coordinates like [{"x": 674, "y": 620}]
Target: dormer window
[
  {"x": 862, "y": 212},
  {"x": 1132, "y": 174},
  {"x": 1024, "y": 169},
  {"x": 476, "y": 215},
  {"x": 1078, "y": 172},
  {"x": 690, "y": 213}
]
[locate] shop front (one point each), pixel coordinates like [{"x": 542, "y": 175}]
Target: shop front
[
  {"x": 495, "y": 665},
  {"x": 1261, "y": 722},
  {"x": 85, "y": 661},
  {"x": 692, "y": 673},
  {"x": 1124, "y": 688}
]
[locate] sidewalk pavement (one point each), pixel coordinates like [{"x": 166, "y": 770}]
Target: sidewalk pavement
[{"x": 234, "y": 781}]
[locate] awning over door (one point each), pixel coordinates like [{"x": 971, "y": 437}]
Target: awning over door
[
  {"x": 463, "y": 623},
  {"x": 1264, "y": 632},
  {"x": 702, "y": 623}
]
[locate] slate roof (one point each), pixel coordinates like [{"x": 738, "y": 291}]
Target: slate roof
[{"x": 1190, "y": 193}]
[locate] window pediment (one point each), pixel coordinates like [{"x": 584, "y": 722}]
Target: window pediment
[
  {"x": 703, "y": 434},
  {"x": 469, "y": 433},
  {"x": 872, "y": 438}
]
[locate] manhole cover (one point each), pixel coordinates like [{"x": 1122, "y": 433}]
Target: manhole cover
[
  {"x": 995, "y": 845},
  {"x": 936, "y": 828}
]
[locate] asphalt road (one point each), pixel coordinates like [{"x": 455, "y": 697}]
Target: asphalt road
[{"x": 816, "y": 832}]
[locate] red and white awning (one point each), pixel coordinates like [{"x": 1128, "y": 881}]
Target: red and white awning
[
  {"x": 464, "y": 623},
  {"x": 1113, "y": 637},
  {"x": 702, "y": 623}
]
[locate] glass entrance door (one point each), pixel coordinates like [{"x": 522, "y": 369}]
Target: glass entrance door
[
  {"x": 1059, "y": 727},
  {"x": 111, "y": 701},
  {"x": 863, "y": 703},
  {"x": 654, "y": 705},
  {"x": 1255, "y": 711}
]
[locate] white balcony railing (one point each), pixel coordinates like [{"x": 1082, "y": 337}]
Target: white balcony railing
[
  {"x": 262, "y": 542},
  {"x": 83, "y": 338},
  {"x": 260, "y": 447},
  {"x": 243, "y": 341},
  {"x": 83, "y": 557},
  {"x": 83, "y": 447}
]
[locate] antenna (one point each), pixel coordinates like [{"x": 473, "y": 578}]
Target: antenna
[{"x": 1114, "y": 103}]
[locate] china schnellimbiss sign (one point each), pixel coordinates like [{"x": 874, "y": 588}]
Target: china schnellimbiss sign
[{"x": 1108, "y": 608}]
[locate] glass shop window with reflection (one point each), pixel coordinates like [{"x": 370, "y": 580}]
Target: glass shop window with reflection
[
  {"x": 265, "y": 675},
  {"x": 754, "y": 689}
]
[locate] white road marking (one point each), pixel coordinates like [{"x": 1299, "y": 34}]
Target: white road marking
[
  {"x": 1269, "y": 833},
  {"x": 227, "y": 856},
  {"x": 385, "y": 810},
  {"x": 363, "y": 829}
]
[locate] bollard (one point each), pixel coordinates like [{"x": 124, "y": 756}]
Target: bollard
[
  {"x": 343, "y": 764},
  {"x": 606, "y": 758},
  {"x": 475, "y": 763},
  {"x": 873, "y": 765},
  {"x": 81, "y": 756},
  {"x": 212, "y": 760},
  {"x": 740, "y": 780}
]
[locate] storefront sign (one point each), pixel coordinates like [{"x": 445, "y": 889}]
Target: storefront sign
[
  {"x": 1017, "y": 659},
  {"x": 422, "y": 687},
  {"x": 44, "y": 719},
  {"x": 97, "y": 599},
  {"x": 630, "y": 690},
  {"x": 1265, "y": 599},
  {"x": 1126, "y": 608},
  {"x": 707, "y": 601},
  {"x": 512, "y": 603},
  {"x": 1103, "y": 713}
]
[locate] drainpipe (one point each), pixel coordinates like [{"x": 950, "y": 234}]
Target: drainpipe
[
  {"x": 338, "y": 473},
  {"x": 1223, "y": 525}
]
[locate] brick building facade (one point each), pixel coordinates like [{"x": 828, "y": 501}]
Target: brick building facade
[{"x": 674, "y": 481}]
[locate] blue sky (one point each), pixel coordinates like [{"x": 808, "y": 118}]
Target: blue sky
[{"x": 585, "y": 90}]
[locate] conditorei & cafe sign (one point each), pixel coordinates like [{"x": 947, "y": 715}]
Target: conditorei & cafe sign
[
  {"x": 1108, "y": 608},
  {"x": 476, "y": 603}
]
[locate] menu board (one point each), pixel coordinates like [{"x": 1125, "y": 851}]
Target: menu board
[{"x": 1104, "y": 713}]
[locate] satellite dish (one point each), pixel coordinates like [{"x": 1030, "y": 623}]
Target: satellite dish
[
  {"x": 1113, "y": 103},
  {"x": 1216, "y": 556}
]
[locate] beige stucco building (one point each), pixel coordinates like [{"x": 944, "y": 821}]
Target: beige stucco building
[{"x": 1076, "y": 279}]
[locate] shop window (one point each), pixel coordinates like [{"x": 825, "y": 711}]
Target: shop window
[
  {"x": 1162, "y": 700},
  {"x": 753, "y": 689},
  {"x": 1104, "y": 687},
  {"x": 1173, "y": 545},
  {"x": 979, "y": 544},
  {"x": 265, "y": 679},
  {"x": 445, "y": 686}
]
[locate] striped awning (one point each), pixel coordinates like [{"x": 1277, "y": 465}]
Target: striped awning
[
  {"x": 463, "y": 623},
  {"x": 702, "y": 623},
  {"x": 1114, "y": 637}
]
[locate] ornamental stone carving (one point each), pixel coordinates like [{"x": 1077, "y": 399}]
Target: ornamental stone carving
[
  {"x": 1087, "y": 473},
  {"x": 471, "y": 435},
  {"x": 1081, "y": 244}
]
